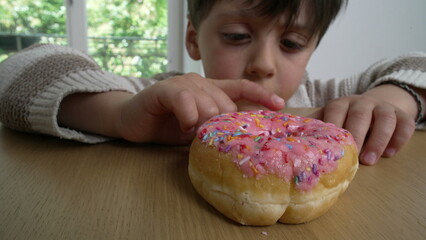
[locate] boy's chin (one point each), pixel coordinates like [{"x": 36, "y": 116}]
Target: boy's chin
[{"x": 244, "y": 105}]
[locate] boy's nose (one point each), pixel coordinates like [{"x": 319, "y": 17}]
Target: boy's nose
[{"x": 261, "y": 63}]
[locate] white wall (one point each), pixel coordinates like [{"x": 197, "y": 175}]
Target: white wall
[{"x": 367, "y": 31}]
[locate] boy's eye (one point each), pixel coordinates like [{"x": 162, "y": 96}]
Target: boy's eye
[
  {"x": 291, "y": 45},
  {"x": 236, "y": 37}
]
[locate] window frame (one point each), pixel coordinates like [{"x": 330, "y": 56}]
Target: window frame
[
  {"x": 77, "y": 24},
  {"x": 178, "y": 59}
]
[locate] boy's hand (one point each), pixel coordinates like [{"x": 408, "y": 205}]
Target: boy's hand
[
  {"x": 170, "y": 110},
  {"x": 375, "y": 119},
  {"x": 167, "y": 112}
]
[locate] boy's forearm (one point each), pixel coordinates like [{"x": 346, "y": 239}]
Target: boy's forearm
[
  {"x": 97, "y": 113},
  {"x": 422, "y": 95},
  {"x": 399, "y": 97}
]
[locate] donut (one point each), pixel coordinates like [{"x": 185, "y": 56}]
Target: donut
[{"x": 263, "y": 167}]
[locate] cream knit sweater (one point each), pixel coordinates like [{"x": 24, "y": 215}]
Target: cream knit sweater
[{"x": 34, "y": 81}]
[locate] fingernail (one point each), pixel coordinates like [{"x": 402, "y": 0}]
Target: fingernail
[
  {"x": 277, "y": 100},
  {"x": 370, "y": 158},
  {"x": 390, "y": 152}
]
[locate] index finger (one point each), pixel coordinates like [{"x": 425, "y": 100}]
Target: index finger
[
  {"x": 245, "y": 89},
  {"x": 358, "y": 121}
]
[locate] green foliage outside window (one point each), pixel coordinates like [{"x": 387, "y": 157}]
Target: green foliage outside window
[{"x": 127, "y": 37}]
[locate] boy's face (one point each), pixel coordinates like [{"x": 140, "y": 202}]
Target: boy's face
[{"x": 235, "y": 44}]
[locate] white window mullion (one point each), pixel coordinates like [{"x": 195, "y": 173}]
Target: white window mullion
[
  {"x": 77, "y": 24},
  {"x": 175, "y": 34},
  {"x": 178, "y": 58}
]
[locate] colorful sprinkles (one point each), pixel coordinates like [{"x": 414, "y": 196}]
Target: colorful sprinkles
[{"x": 295, "y": 148}]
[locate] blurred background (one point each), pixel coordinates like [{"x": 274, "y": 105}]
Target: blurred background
[
  {"x": 127, "y": 37},
  {"x": 369, "y": 30},
  {"x": 145, "y": 37}
]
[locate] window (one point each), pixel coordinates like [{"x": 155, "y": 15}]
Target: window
[
  {"x": 25, "y": 22},
  {"x": 127, "y": 37}
]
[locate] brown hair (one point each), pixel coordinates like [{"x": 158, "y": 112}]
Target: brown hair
[{"x": 323, "y": 11}]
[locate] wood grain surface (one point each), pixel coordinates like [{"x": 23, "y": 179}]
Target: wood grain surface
[{"x": 59, "y": 189}]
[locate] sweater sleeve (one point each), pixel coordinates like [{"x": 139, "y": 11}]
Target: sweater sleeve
[
  {"x": 409, "y": 69},
  {"x": 34, "y": 81}
]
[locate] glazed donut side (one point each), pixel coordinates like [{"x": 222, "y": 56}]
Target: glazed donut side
[
  {"x": 268, "y": 199},
  {"x": 306, "y": 206},
  {"x": 249, "y": 201}
]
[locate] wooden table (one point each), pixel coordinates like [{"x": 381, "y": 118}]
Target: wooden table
[{"x": 58, "y": 189}]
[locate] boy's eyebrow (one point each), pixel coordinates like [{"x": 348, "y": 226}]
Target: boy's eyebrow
[
  {"x": 239, "y": 13},
  {"x": 297, "y": 23}
]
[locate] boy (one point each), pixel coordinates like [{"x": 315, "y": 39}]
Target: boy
[{"x": 255, "y": 51}]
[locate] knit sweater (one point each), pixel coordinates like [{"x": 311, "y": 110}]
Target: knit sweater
[{"x": 34, "y": 81}]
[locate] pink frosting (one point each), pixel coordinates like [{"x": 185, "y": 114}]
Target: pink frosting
[{"x": 294, "y": 148}]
